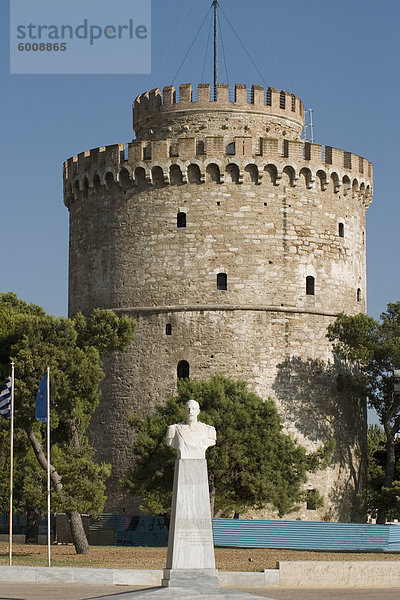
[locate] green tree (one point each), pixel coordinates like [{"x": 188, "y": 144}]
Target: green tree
[
  {"x": 377, "y": 496},
  {"x": 72, "y": 348},
  {"x": 30, "y": 481},
  {"x": 253, "y": 464},
  {"x": 374, "y": 346}
]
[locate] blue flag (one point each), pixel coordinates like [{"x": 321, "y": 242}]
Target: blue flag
[
  {"x": 41, "y": 400},
  {"x": 5, "y": 400}
]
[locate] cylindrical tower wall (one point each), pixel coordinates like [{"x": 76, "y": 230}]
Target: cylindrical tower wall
[{"x": 154, "y": 226}]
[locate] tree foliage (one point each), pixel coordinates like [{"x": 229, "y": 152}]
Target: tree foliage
[
  {"x": 72, "y": 348},
  {"x": 29, "y": 479},
  {"x": 378, "y": 497},
  {"x": 253, "y": 464},
  {"x": 375, "y": 347}
]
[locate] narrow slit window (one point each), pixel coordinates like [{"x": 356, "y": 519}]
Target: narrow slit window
[
  {"x": 147, "y": 152},
  {"x": 230, "y": 149},
  {"x": 358, "y": 295},
  {"x": 168, "y": 329},
  {"x": 200, "y": 148},
  {"x": 174, "y": 149},
  {"x": 181, "y": 219},
  {"x": 341, "y": 230},
  {"x": 310, "y": 285},
  {"x": 222, "y": 281}
]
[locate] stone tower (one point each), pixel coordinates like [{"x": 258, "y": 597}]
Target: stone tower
[{"x": 234, "y": 244}]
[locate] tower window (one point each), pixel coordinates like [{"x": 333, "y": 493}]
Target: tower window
[
  {"x": 147, "y": 152},
  {"x": 193, "y": 173},
  {"x": 109, "y": 179},
  {"x": 341, "y": 229},
  {"x": 358, "y": 295},
  {"x": 286, "y": 149},
  {"x": 200, "y": 149},
  {"x": 310, "y": 285},
  {"x": 183, "y": 369},
  {"x": 168, "y": 329},
  {"x": 174, "y": 149},
  {"x": 230, "y": 149},
  {"x": 181, "y": 219},
  {"x": 222, "y": 281},
  {"x": 282, "y": 100}
]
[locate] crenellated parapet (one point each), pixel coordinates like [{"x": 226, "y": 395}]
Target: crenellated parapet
[
  {"x": 181, "y": 134},
  {"x": 157, "y": 112},
  {"x": 164, "y": 162}
]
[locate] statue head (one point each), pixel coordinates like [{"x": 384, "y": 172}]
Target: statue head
[{"x": 192, "y": 409}]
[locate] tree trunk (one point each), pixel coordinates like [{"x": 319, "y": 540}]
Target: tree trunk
[
  {"x": 42, "y": 460},
  {"x": 381, "y": 516},
  {"x": 78, "y": 533},
  {"x": 211, "y": 489},
  {"x": 390, "y": 460},
  {"x": 389, "y": 469},
  {"x": 32, "y": 526}
]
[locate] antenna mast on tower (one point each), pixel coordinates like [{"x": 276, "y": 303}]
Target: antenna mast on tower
[{"x": 215, "y": 5}]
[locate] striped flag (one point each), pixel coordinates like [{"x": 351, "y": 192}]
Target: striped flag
[{"x": 5, "y": 399}]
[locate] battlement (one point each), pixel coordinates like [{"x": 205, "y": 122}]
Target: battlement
[
  {"x": 161, "y": 162},
  {"x": 271, "y": 102},
  {"x": 241, "y": 148}
]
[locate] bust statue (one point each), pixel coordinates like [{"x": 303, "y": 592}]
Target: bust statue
[{"x": 192, "y": 438}]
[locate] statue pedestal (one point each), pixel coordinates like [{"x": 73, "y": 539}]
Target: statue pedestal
[{"x": 190, "y": 558}]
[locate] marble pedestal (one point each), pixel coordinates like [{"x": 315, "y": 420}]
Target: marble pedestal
[{"x": 190, "y": 558}]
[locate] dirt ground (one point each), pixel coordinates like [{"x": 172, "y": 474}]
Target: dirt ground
[{"x": 116, "y": 557}]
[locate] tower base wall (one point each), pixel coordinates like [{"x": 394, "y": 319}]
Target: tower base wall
[{"x": 282, "y": 354}]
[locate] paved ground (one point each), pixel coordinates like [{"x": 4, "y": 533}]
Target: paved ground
[
  {"x": 393, "y": 594},
  {"x": 29, "y": 591},
  {"x": 58, "y": 591}
]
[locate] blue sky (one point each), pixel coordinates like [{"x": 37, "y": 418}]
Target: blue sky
[{"x": 341, "y": 58}]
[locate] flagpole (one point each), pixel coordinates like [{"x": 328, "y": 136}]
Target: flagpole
[
  {"x": 11, "y": 462},
  {"x": 48, "y": 467}
]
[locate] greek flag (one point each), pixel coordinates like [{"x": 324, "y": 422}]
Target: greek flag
[{"x": 5, "y": 400}]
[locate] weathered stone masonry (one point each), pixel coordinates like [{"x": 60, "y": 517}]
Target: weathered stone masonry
[{"x": 224, "y": 188}]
